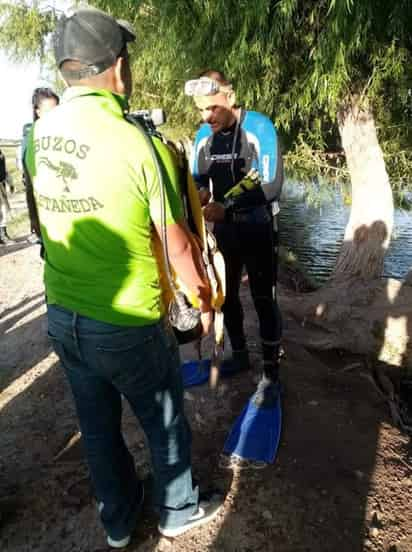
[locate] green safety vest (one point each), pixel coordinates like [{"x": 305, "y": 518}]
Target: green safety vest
[{"x": 97, "y": 194}]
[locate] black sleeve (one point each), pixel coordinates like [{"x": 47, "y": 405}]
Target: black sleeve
[{"x": 202, "y": 178}]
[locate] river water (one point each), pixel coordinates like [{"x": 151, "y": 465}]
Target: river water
[{"x": 314, "y": 231}]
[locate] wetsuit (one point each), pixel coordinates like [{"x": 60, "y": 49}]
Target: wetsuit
[{"x": 246, "y": 238}]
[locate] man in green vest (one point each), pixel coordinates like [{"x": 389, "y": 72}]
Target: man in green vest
[{"x": 97, "y": 194}]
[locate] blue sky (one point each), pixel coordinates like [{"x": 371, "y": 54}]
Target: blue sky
[{"x": 17, "y": 84}]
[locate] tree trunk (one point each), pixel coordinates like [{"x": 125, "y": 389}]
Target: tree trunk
[
  {"x": 371, "y": 317},
  {"x": 357, "y": 309},
  {"x": 369, "y": 228}
]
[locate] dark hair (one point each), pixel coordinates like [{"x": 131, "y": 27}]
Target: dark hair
[
  {"x": 218, "y": 76},
  {"x": 73, "y": 71},
  {"x": 40, "y": 94}
]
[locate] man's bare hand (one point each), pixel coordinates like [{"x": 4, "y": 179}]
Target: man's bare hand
[
  {"x": 206, "y": 319},
  {"x": 204, "y": 196},
  {"x": 214, "y": 212}
]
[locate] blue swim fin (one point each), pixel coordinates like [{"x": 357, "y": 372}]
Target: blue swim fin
[
  {"x": 195, "y": 372},
  {"x": 255, "y": 434}
]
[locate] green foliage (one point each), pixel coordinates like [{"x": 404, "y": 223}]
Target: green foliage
[
  {"x": 24, "y": 29},
  {"x": 296, "y": 61},
  {"x": 303, "y": 162}
]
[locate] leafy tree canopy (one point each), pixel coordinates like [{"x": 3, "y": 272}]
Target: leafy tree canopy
[
  {"x": 24, "y": 28},
  {"x": 299, "y": 62}
]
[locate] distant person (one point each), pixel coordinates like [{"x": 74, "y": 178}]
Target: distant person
[
  {"x": 6, "y": 185},
  {"x": 21, "y": 148},
  {"x": 43, "y": 100},
  {"x": 105, "y": 312}
]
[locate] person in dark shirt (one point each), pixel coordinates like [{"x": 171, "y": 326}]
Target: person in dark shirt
[
  {"x": 6, "y": 185},
  {"x": 43, "y": 100}
]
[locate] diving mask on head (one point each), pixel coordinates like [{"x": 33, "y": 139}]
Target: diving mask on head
[{"x": 204, "y": 86}]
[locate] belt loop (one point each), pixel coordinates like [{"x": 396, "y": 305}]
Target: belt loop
[{"x": 75, "y": 334}]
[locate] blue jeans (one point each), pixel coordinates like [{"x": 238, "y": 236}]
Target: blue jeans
[{"x": 102, "y": 363}]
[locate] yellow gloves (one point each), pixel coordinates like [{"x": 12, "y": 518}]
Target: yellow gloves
[{"x": 247, "y": 184}]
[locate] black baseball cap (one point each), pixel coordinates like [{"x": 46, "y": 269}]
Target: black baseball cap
[{"x": 91, "y": 37}]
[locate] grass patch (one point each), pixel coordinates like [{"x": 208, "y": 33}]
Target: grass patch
[
  {"x": 19, "y": 225},
  {"x": 10, "y": 154}
]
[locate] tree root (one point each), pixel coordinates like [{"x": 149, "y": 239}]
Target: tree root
[{"x": 384, "y": 387}]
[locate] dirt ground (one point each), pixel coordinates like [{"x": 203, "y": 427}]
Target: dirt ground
[{"x": 342, "y": 480}]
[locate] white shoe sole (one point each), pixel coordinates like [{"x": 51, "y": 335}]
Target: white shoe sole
[
  {"x": 121, "y": 543},
  {"x": 202, "y": 519},
  {"x": 118, "y": 543}
]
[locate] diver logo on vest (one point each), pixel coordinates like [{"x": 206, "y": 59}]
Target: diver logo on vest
[
  {"x": 63, "y": 170},
  {"x": 68, "y": 175}
]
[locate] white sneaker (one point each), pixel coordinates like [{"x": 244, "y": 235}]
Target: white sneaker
[
  {"x": 209, "y": 506},
  {"x": 125, "y": 541},
  {"x": 122, "y": 543}
]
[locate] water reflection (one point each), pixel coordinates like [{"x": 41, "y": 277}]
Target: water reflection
[{"x": 314, "y": 230}]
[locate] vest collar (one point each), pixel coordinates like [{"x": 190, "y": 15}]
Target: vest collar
[{"x": 115, "y": 102}]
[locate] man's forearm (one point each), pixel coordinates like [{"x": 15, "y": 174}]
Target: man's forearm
[
  {"x": 186, "y": 259},
  {"x": 188, "y": 265}
]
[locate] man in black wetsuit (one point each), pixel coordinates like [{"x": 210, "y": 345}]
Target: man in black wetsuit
[{"x": 238, "y": 168}]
